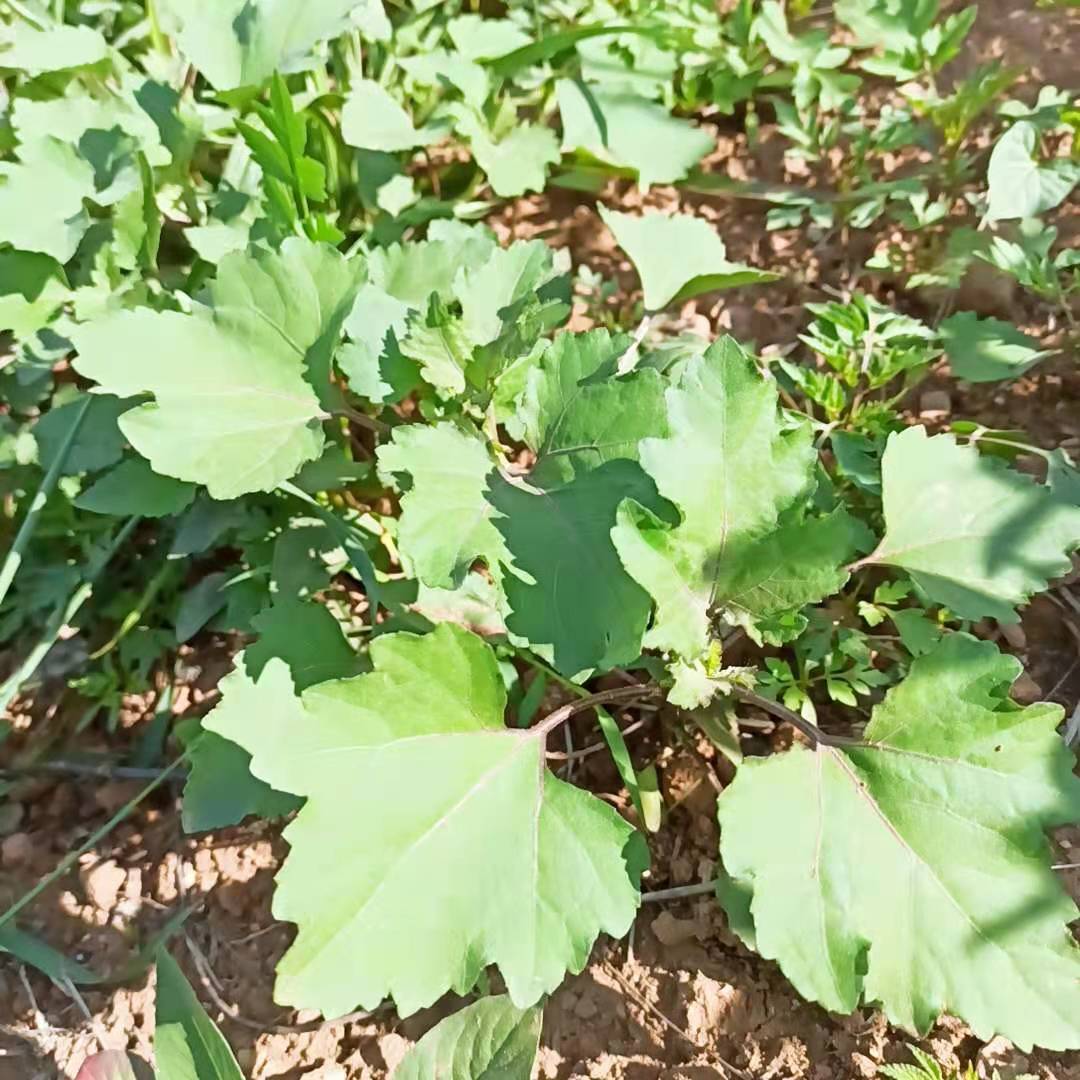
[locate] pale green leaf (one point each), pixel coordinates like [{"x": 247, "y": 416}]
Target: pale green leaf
[
  {"x": 433, "y": 841},
  {"x": 518, "y": 162},
  {"x": 677, "y": 256},
  {"x": 740, "y": 477},
  {"x": 396, "y": 194},
  {"x": 187, "y": 1045},
  {"x": 235, "y": 383},
  {"x": 914, "y": 871},
  {"x": 431, "y": 68},
  {"x": 445, "y": 520},
  {"x": 485, "y": 39},
  {"x": 132, "y": 487},
  {"x": 985, "y": 350},
  {"x": 975, "y": 535},
  {"x": 59, "y": 48},
  {"x": 488, "y": 1040},
  {"x": 372, "y": 120},
  {"x": 1021, "y": 186},
  {"x": 41, "y": 198},
  {"x": 628, "y": 130},
  {"x": 505, "y": 278},
  {"x": 243, "y": 42}
]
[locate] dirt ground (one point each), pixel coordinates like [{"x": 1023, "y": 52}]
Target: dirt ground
[{"x": 681, "y": 998}]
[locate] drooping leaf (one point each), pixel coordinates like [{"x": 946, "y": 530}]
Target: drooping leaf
[
  {"x": 187, "y": 1044},
  {"x": 631, "y": 131},
  {"x": 974, "y": 534},
  {"x": 576, "y": 414},
  {"x": 445, "y": 523},
  {"x": 236, "y": 383},
  {"x": 1020, "y": 185},
  {"x": 132, "y": 487},
  {"x": 433, "y": 841},
  {"x": 41, "y": 198},
  {"x": 740, "y": 477},
  {"x": 242, "y": 42},
  {"x": 488, "y": 1040},
  {"x": 677, "y": 256},
  {"x": 985, "y": 350},
  {"x": 914, "y": 871},
  {"x": 569, "y": 596}
]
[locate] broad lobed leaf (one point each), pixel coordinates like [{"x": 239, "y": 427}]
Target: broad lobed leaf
[
  {"x": 441, "y": 842},
  {"x": 914, "y": 870}
]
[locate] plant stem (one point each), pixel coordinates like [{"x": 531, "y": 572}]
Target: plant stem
[
  {"x": 601, "y": 697},
  {"x": 72, "y": 857},
  {"x": 88, "y": 769},
  {"x": 811, "y": 731},
  {"x": 680, "y": 892},
  {"x": 15, "y": 556},
  {"x": 61, "y": 615}
]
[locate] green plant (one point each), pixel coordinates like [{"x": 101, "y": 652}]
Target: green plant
[{"x": 272, "y": 377}]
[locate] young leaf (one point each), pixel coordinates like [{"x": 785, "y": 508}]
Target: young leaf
[
  {"x": 517, "y": 162},
  {"x": 914, "y": 870},
  {"x": 132, "y": 487},
  {"x": 984, "y": 350},
  {"x": 740, "y": 478},
  {"x": 187, "y": 1044},
  {"x": 242, "y": 42},
  {"x": 677, "y": 256},
  {"x": 974, "y": 535},
  {"x": 488, "y": 1040},
  {"x": 628, "y": 130},
  {"x": 445, "y": 523},
  {"x": 236, "y": 383},
  {"x": 434, "y": 841},
  {"x": 576, "y": 414}
]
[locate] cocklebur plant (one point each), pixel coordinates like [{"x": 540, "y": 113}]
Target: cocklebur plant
[{"x": 359, "y": 420}]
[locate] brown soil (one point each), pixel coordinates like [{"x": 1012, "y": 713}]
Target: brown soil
[{"x": 681, "y": 998}]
